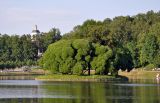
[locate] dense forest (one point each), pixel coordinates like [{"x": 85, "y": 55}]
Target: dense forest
[
  {"x": 17, "y": 51},
  {"x": 134, "y": 42},
  {"x": 124, "y": 42}
]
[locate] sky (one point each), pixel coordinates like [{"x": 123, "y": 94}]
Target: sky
[{"x": 20, "y": 16}]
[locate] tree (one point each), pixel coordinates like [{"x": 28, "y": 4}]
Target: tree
[
  {"x": 17, "y": 51},
  {"x": 101, "y": 60},
  {"x": 149, "y": 50},
  {"x": 123, "y": 59},
  {"x": 127, "y": 36},
  {"x": 76, "y": 56},
  {"x": 50, "y": 37}
]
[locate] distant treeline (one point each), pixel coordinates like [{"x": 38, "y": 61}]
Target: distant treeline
[
  {"x": 17, "y": 51},
  {"x": 134, "y": 41}
]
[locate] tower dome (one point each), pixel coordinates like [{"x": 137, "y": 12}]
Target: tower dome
[{"x": 35, "y": 32}]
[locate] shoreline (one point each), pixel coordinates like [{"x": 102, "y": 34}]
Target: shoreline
[
  {"x": 123, "y": 76},
  {"x": 20, "y": 73},
  {"x": 139, "y": 74},
  {"x": 75, "y": 78}
]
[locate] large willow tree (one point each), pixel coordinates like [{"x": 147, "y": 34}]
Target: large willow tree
[{"x": 77, "y": 56}]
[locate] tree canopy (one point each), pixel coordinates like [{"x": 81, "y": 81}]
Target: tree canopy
[
  {"x": 124, "y": 42},
  {"x": 17, "y": 51},
  {"x": 135, "y": 40},
  {"x": 77, "y": 56}
]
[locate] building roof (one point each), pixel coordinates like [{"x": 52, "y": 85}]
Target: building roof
[{"x": 35, "y": 31}]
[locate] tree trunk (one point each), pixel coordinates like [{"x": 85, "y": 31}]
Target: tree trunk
[{"x": 89, "y": 68}]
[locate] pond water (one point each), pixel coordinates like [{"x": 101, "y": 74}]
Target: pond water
[{"x": 24, "y": 89}]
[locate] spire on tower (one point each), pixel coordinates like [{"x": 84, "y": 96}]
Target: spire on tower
[{"x": 35, "y": 27}]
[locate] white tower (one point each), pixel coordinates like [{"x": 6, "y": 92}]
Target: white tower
[
  {"x": 35, "y": 36},
  {"x": 35, "y": 33}
]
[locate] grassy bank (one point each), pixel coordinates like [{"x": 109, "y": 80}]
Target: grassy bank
[
  {"x": 92, "y": 78},
  {"x": 140, "y": 74}
]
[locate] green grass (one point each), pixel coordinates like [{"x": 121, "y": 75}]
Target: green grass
[{"x": 56, "y": 77}]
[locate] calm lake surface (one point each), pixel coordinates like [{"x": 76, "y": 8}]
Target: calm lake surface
[{"x": 23, "y": 89}]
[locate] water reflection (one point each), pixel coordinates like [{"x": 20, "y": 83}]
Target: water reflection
[{"x": 31, "y": 91}]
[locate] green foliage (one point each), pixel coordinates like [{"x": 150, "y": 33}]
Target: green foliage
[
  {"x": 50, "y": 37},
  {"x": 101, "y": 61},
  {"x": 123, "y": 59},
  {"x": 78, "y": 68},
  {"x": 17, "y": 51},
  {"x": 149, "y": 50},
  {"x": 124, "y": 42},
  {"x": 135, "y": 40},
  {"x": 76, "y": 56},
  {"x": 134, "y": 52}
]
